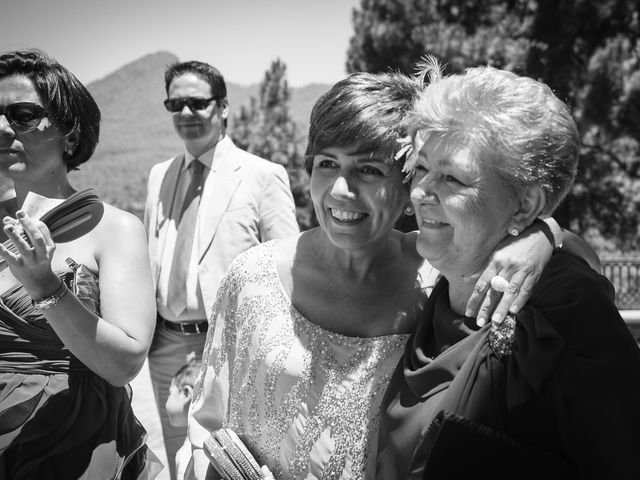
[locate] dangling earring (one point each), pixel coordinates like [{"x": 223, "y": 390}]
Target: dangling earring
[
  {"x": 409, "y": 210},
  {"x": 514, "y": 232},
  {"x": 68, "y": 150}
]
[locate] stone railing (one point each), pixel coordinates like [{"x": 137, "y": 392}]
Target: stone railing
[{"x": 624, "y": 274}]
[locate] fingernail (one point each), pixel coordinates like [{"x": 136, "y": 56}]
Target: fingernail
[
  {"x": 20, "y": 214},
  {"x": 468, "y": 312},
  {"x": 498, "y": 319},
  {"x": 481, "y": 321}
]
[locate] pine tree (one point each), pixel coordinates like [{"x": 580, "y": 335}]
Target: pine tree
[
  {"x": 587, "y": 52},
  {"x": 266, "y": 129}
]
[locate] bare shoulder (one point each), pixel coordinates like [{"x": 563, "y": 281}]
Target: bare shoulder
[
  {"x": 116, "y": 217},
  {"x": 284, "y": 250},
  {"x": 119, "y": 240},
  {"x": 286, "y": 258},
  {"x": 118, "y": 225}
]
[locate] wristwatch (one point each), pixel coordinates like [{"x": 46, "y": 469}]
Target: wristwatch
[
  {"x": 52, "y": 300},
  {"x": 556, "y": 232}
]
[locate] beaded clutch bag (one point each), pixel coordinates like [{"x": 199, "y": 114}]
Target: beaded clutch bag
[{"x": 230, "y": 457}]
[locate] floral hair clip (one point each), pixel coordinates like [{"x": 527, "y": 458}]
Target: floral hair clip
[
  {"x": 405, "y": 155},
  {"x": 410, "y": 146}
]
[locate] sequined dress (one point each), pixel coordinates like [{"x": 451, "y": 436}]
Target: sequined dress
[
  {"x": 58, "y": 419},
  {"x": 303, "y": 399}
]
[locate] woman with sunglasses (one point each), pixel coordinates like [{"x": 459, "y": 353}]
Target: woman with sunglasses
[{"x": 77, "y": 315}]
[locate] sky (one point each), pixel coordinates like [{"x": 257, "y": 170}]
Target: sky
[{"x": 241, "y": 38}]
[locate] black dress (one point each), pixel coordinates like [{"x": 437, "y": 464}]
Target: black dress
[
  {"x": 58, "y": 419},
  {"x": 570, "y": 389}
]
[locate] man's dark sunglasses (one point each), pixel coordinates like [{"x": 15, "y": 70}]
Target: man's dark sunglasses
[
  {"x": 23, "y": 117},
  {"x": 174, "y": 105}
]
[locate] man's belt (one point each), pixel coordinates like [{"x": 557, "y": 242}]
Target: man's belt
[{"x": 186, "y": 328}]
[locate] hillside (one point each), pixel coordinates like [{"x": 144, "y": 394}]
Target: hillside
[{"x": 137, "y": 131}]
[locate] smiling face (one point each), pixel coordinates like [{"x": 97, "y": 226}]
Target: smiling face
[
  {"x": 200, "y": 129},
  {"x": 357, "y": 197},
  {"x": 35, "y": 156},
  {"x": 462, "y": 207}
]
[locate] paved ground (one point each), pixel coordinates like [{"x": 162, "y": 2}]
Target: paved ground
[{"x": 144, "y": 406}]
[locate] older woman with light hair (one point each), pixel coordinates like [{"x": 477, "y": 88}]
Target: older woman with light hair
[
  {"x": 554, "y": 392},
  {"x": 306, "y": 331}
]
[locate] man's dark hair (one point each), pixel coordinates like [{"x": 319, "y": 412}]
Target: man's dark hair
[{"x": 206, "y": 72}]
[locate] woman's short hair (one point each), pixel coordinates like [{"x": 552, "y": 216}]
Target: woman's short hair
[
  {"x": 515, "y": 123},
  {"x": 67, "y": 100},
  {"x": 365, "y": 110}
]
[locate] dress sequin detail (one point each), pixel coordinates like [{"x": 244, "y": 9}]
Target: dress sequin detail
[{"x": 304, "y": 400}]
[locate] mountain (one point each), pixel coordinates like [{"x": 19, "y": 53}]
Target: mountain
[{"x": 137, "y": 132}]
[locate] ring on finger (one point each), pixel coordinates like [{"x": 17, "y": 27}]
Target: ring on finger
[
  {"x": 513, "y": 288},
  {"x": 29, "y": 249},
  {"x": 499, "y": 284}
]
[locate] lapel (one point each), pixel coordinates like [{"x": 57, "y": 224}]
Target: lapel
[
  {"x": 217, "y": 193},
  {"x": 164, "y": 204}
]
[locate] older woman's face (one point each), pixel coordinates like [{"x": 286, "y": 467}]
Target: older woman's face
[
  {"x": 357, "y": 196},
  {"x": 28, "y": 156},
  {"x": 462, "y": 207}
]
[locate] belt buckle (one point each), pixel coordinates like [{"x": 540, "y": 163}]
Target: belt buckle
[{"x": 196, "y": 328}]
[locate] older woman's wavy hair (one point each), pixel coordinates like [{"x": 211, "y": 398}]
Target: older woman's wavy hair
[
  {"x": 65, "y": 97},
  {"x": 366, "y": 110},
  {"x": 514, "y": 123}
]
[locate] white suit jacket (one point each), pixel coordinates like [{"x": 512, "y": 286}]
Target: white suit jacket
[{"x": 246, "y": 200}]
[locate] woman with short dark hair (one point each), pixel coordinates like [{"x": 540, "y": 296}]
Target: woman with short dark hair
[
  {"x": 306, "y": 331},
  {"x": 77, "y": 310}
]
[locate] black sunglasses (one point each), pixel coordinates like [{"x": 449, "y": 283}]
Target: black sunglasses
[
  {"x": 174, "y": 105},
  {"x": 24, "y": 117}
]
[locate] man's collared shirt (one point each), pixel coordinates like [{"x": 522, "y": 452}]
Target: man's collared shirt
[{"x": 195, "y": 304}]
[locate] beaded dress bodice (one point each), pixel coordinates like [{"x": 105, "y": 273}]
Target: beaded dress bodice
[{"x": 305, "y": 400}]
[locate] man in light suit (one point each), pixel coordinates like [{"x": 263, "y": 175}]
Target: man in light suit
[{"x": 203, "y": 208}]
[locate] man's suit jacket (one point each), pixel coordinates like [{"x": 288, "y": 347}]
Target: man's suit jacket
[{"x": 245, "y": 201}]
